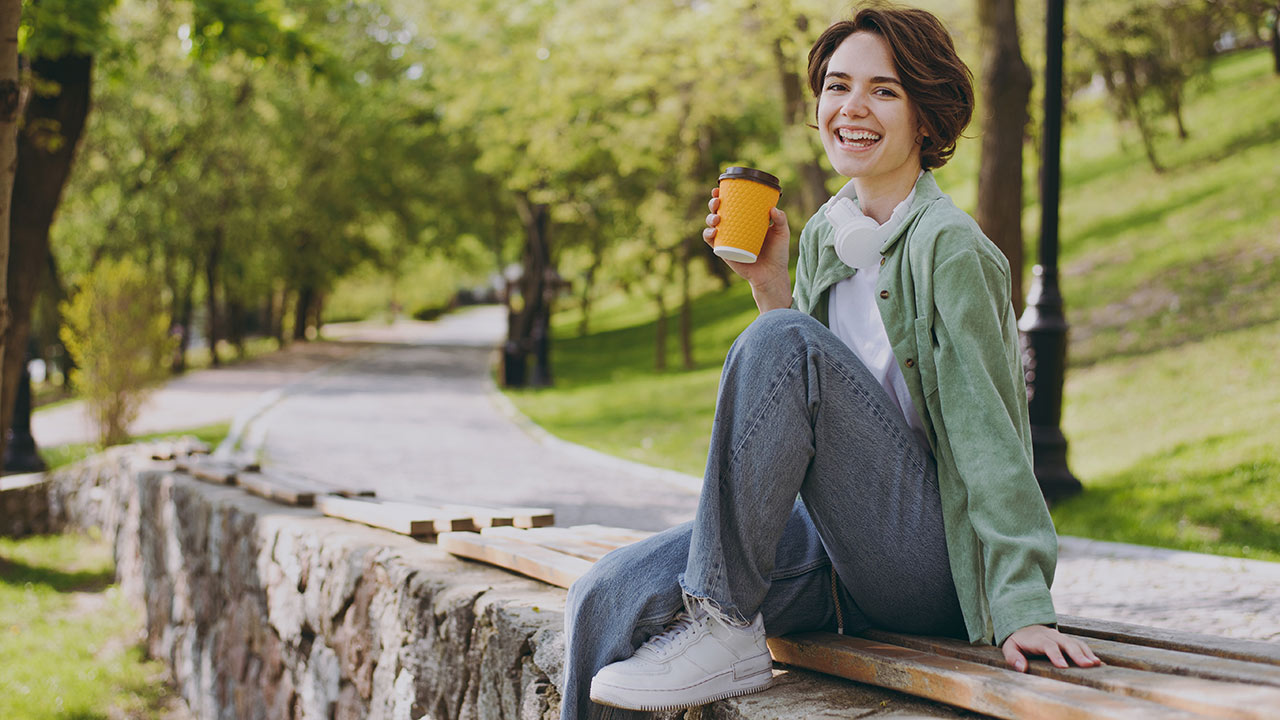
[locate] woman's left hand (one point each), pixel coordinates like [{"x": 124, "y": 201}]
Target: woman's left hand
[{"x": 1042, "y": 640}]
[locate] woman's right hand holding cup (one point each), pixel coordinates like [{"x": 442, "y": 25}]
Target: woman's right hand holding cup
[{"x": 769, "y": 276}]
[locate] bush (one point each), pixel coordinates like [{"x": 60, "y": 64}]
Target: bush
[{"x": 117, "y": 330}]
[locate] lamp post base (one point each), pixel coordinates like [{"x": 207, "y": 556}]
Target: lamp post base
[{"x": 1050, "y": 463}]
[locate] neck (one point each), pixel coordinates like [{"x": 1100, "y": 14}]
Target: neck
[{"x": 878, "y": 196}]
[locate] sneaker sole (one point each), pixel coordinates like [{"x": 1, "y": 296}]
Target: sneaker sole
[{"x": 625, "y": 699}]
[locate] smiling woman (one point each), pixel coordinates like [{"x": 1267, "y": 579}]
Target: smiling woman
[{"x": 885, "y": 389}]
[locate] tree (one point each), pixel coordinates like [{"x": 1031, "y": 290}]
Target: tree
[
  {"x": 10, "y": 105},
  {"x": 1146, "y": 51},
  {"x": 1006, "y": 91},
  {"x": 62, "y": 39}
]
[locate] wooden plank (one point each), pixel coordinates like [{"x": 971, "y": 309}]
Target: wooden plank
[
  {"x": 527, "y": 517},
  {"x": 211, "y": 471},
  {"x": 1177, "y": 662},
  {"x": 617, "y": 537},
  {"x": 276, "y": 490},
  {"x": 376, "y": 515},
  {"x": 1208, "y": 697},
  {"x": 302, "y": 482},
  {"x": 482, "y": 517},
  {"x": 972, "y": 686},
  {"x": 443, "y": 521},
  {"x": 537, "y": 562},
  {"x": 1247, "y": 650},
  {"x": 558, "y": 539}
]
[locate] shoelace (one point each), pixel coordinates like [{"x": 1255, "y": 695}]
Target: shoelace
[{"x": 664, "y": 642}]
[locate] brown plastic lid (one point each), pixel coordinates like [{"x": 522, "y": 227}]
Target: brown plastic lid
[{"x": 746, "y": 173}]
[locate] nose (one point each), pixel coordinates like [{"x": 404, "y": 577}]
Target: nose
[{"x": 855, "y": 105}]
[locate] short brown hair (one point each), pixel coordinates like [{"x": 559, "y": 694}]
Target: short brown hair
[{"x": 933, "y": 76}]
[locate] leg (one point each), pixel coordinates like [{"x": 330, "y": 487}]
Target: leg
[
  {"x": 799, "y": 413},
  {"x": 632, "y": 594}
]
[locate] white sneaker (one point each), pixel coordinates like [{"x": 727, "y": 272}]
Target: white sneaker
[{"x": 696, "y": 660}]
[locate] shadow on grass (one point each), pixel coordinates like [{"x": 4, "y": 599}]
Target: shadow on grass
[
  {"x": 1214, "y": 295},
  {"x": 1222, "y": 510},
  {"x": 19, "y": 573}
]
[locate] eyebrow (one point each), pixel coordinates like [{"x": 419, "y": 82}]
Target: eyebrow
[{"x": 877, "y": 80}]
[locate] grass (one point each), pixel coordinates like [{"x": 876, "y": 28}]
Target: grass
[
  {"x": 1172, "y": 285},
  {"x": 62, "y": 455},
  {"x": 69, "y": 639}
]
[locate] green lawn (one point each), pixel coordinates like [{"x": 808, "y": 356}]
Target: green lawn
[
  {"x": 69, "y": 640},
  {"x": 62, "y": 455},
  {"x": 1172, "y": 284}
]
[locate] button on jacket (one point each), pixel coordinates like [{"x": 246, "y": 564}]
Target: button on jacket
[{"x": 944, "y": 296}]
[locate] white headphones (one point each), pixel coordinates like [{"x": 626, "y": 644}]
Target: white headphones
[{"x": 858, "y": 238}]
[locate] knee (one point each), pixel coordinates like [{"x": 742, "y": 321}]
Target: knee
[{"x": 778, "y": 331}]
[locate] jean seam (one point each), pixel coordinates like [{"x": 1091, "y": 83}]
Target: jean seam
[
  {"x": 904, "y": 443},
  {"x": 800, "y": 570},
  {"x": 768, "y": 402}
]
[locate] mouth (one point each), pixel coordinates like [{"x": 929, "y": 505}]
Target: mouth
[{"x": 856, "y": 139}]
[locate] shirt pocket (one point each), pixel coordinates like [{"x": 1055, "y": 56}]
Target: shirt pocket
[{"x": 924, "y": 356}]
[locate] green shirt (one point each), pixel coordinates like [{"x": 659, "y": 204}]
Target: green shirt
[{"x": 944, "y": 294}]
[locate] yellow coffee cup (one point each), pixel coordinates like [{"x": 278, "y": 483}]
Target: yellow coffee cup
[{"x": 746, "y": 197}]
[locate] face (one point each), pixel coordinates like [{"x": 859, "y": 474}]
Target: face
[{"x": 868, "y": 125}]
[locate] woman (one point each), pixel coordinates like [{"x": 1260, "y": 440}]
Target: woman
[{"x": 885, "y": 390}]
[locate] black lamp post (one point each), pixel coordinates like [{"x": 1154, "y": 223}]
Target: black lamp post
[
  {"x": 20, "y": 454},
  {"x": 1043, "y": 324}
]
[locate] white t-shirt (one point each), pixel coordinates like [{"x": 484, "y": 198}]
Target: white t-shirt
[{"x": 854, "y": 317}]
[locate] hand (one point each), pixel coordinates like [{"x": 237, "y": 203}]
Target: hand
[
  {"x": 769, "y": 277},
  {"x": 1041, "y": 640}
]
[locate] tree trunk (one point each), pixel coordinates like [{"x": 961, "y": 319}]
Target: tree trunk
[
  {"x": 52, "y": 125},
  {"x": 279, "y": 303},
  {"x": 528, "y": 328},
  {"x": 686, "y": 302},
  {"x": 813, "y": 178},
  {"x": 300, "y": 311},
  {"x": 1133, "y": 98},
  {"x": 660, "y": 341},
  {"x": 10, "y": 107},
  {"x": 1275, "y": 39},
  {"x": 1006, "y": 91},
  {"x": 212, "y": 258},
  {"x": 185, "y": 309}
]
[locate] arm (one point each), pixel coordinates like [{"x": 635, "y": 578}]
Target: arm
[
  {"x": 768, "y": 276},
  {"x": 983, "y": 401}
]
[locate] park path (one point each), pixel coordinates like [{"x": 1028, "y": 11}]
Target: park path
[{"x": 410, "y": 409}]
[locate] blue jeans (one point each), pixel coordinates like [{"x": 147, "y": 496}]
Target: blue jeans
[{"x": 798, "y": 415}]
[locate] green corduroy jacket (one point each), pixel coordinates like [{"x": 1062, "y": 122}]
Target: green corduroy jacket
[{"x": 944, "y": 295}]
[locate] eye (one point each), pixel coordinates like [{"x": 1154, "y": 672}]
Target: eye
[
  {"x": 835, "y": 86},
  {"x": 885, "y": 92}
]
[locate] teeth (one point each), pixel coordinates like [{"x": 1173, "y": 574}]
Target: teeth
[{"x": 855, "y": 135}]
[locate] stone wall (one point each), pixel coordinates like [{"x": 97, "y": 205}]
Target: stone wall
[
  {"x": 24, "y": 505},
  {"x": 268, "y": 611}
]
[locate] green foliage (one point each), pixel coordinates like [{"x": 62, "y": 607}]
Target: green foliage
[
  {"x": 53, "y": 28},
  {"x": 68, "y": 637},
  {"x": 117, "y": 330}
]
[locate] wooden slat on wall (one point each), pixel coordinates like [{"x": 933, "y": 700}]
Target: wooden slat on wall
[
  {"x": 1177, "y": 662},
  {"x": 368, "y": 512},
  {"x": 1248, "y": 650},
  {"x": 1208, "y": 697},
  {"x": 537, "y": 562},
  {"x": 972, "y": 686}
]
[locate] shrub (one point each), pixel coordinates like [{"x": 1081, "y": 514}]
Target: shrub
[{"x": 117, "y": 331}]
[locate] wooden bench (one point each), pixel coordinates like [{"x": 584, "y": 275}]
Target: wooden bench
[{"x": 1149, "y": 672}]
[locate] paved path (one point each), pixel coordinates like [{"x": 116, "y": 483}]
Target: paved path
[{"x": 411, "y": 410}]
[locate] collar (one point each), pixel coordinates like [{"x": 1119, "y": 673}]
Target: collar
[{"x": 924, "y": 193}]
